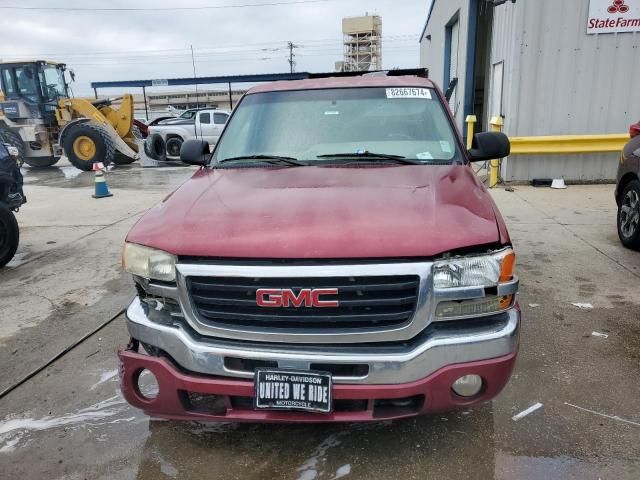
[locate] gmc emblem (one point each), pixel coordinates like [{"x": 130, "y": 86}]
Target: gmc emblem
[{"x": 307, "y": 297}]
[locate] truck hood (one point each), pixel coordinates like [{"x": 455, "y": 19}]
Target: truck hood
[{"x": 322, "y": 213}]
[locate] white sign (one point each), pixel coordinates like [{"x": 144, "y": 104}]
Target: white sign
[
  {"x": 612, "y": 16},
  {"x": 160, "y": 83},
  {"x": 409, "y": 92}
]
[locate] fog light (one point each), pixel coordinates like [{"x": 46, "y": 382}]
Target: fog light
[
  {"x": 147, "y": 384},
  {"x": 468, "y": 386}
]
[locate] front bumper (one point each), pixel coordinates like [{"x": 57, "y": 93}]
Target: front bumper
[
  {"x": 352, "y": 403},
  {"x": 419, "y": 373}
]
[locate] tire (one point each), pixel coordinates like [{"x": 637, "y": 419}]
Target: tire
[
  {"x": 629, "y": 216},
  {"x": 40, "y": 162},
  {"x": 173, "y": 146},
  {"x": 87, "y": 143},
  {"x": 9, "y": 235},
  {"x": 155, "y": 147},
  {"x": 120, "y": 158},
  {"x": 15, "y": 140}
]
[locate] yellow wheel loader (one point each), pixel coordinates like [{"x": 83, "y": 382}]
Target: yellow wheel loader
[{"x": 40, "y": 119}]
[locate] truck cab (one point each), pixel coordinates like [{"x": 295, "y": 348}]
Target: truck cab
[
  {"x": 335, "y": 259},
  {"x": 32, "y": 89}
]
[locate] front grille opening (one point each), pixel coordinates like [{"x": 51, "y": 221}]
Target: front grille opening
[
  {"x": 350, "y": 405},
  {"x": 397, "y": 406},
  {"x": 342, "y": 370},
  {"x": 242, "y": 403},
  {"x": 246, "y": 365},
  {"x": 203, "y": 402},
  {"x": 363, "y": 302}
]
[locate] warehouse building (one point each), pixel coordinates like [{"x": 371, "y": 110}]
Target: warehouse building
[{"x": 548, "y": 67}]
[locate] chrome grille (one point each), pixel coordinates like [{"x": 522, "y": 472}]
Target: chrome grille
[{"x": 364, "y": 302}]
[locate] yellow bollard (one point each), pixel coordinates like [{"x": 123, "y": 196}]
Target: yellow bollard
[
  {"x": 496, "y": 126},
  {"x": 471, "y": 126}
]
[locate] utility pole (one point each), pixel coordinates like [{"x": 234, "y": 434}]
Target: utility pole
[{"x": 292, "y": 62}]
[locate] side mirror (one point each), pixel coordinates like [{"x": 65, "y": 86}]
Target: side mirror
[
  {"x": 195, "y": 152},
  {"x": 489, "y": 146}
]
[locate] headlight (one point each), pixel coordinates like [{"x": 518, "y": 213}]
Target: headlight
[
  {"x": 476, "y": 271},
  {"x": 148, "y": 262}
]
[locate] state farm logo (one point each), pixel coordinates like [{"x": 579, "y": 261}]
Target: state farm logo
[
  {"x": 613, "y": 16},
  {"x": 618, "y": 6},
  {"x": 285, "y": 297}
]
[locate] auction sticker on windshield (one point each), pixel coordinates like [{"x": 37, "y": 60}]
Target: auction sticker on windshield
[
  {"x": 409, "y": 92},
  {"x": 292, "y": 390}
]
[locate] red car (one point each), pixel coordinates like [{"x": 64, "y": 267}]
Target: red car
[{"x": 334, "y": 259}]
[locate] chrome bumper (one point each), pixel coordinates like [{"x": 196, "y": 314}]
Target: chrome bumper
[{"x": 416, "y": 362}]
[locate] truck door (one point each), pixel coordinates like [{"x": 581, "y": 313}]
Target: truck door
[
  {"x": 204, "y": 127},
  {"x": 219, "y": 121}
]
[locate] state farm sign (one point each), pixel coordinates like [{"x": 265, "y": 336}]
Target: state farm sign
[{"x": 611, "y": 16}]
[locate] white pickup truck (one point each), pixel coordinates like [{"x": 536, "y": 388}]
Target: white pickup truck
[{"x": 206, "y": 125}]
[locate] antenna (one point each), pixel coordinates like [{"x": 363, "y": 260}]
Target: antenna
[
  {"x": 195, "y": 80},
  {"x": 292, "y": 62}
]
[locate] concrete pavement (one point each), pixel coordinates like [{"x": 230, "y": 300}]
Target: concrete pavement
[{"x": 70, "y": 421}]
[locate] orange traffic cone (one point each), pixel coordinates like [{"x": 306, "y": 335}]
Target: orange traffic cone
[{"x": 101, "y": 189}]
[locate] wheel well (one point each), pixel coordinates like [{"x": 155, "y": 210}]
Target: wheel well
[
  {"x": 174, "y": 135},
  {"x": 624, "y": 181}
]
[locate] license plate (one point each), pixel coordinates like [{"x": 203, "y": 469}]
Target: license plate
[{"x": 292, "y": 390}]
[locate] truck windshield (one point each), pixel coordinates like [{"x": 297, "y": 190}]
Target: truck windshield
[{"x": 321, "y": 126}]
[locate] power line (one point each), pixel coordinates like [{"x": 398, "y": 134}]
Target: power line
[
  {"x": 159, "y": 9},
  {"x": 308, "y": 44}
]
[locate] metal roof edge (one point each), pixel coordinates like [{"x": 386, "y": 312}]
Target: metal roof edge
[{"x": 426, "y": 24}]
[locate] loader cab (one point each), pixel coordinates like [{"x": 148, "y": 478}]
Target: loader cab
[{"x": 36, "y": 84}]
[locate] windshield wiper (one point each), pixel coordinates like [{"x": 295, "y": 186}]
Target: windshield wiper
[
  {"x": 367, "y": 154},
  {"x": 273, "y": 159}
]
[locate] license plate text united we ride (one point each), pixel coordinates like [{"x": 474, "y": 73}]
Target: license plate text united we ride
[{"x": 290, "y": 390}]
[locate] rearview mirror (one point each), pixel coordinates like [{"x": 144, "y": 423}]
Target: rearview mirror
[
  {"x": 489, "y": 146},
  {"x": 195, "y": 152}
]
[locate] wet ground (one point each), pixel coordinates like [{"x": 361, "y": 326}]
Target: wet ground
[{"x": 69, "y": 421}]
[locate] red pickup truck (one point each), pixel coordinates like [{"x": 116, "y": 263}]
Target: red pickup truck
[{"x": 334, "y": 259}]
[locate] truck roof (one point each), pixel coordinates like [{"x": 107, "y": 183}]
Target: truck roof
[{"x": 345, "y": 82}]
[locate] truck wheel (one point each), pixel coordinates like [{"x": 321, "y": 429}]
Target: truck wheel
[
  {"x": 39, "y": 162},
  {"x": 629, "y": 216},
  {"x": 87, "y": 143},
  {"x": 173, "y": 146},
  {"x": 12, "y": 138},
  {"x": 155, "y": 147},
  {"x": 9, "y": 235},
  {"x": 120, "y": 158}
]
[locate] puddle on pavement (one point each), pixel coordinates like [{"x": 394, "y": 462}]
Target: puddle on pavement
[{"x": 17, "y": 432}]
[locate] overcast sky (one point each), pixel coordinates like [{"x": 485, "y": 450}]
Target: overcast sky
[{"x": 153, "y": 43}]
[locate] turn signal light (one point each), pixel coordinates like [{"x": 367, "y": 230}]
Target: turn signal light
[{"x": 507, "y": 268}]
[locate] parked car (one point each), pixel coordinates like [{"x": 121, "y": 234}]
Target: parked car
[
  {"x": 334, "y": 259},
  {"x": 11, "y": 198},
  {"x": 628, "y": 191},
  {"x": 206, "y": 124}
]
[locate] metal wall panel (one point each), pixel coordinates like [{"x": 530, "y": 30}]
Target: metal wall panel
[
  {"x": 559, "y": 80},
  {"x": 432, "y": 52}
]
